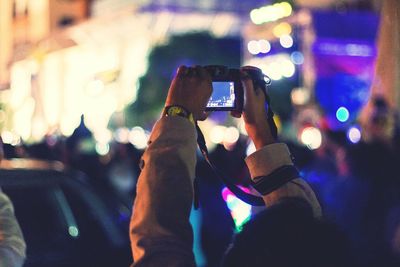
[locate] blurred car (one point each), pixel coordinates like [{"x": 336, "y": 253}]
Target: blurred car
[{"x": 65, "y": 222}]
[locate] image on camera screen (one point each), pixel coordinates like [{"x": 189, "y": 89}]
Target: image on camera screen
[{"x": 223, "y": 95}]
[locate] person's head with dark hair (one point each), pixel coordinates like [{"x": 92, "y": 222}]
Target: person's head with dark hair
[{"x": 288, "y": 235}]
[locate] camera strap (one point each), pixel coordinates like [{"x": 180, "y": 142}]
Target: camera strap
[{"x": 246, "y": 197}]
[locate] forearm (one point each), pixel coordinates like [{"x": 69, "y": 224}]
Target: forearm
[
  {"x": 160, "y": 229},
  {"x": 269, "y": 158}
]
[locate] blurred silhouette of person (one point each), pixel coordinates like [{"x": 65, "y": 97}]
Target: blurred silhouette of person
[
  {"x": 380, "y": 125},
  {"x": 365, "y": 201},
  {"x": 81, "y": 155},
  {"x": 123, "y": 172},
  {"x": 12, "y": 243}
]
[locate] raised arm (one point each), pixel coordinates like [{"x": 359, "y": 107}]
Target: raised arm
[
  {"x": 270, "y": 155},
  {"x": 160, "y": 231}
]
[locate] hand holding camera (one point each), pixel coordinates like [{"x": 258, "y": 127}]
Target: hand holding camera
[
  {"x": 259, "y": 126},
  {"x": 218, "y": 88},
  {"x": 190, "y": 89},
  {"x": 243, "y": 91}
]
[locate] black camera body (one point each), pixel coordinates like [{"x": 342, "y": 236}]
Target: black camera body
[{"x": 228, "y": 92}]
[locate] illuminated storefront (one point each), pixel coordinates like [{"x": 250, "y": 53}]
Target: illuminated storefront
[{"x": 92, "y": 68}]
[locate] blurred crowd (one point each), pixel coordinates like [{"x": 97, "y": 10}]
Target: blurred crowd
[{"x": 358, "y": 185}]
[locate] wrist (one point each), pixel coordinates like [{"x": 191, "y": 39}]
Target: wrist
[
  {"x": 186, "y": 105},
  {"x": 178, "y": 110},
  {"x": 260, "y": 143},
  {"x": 260, "y": 137}
]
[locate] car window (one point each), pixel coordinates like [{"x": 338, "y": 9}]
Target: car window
[
  {"x": 66, "y": 224},
  {"x": 101, "y": 237},
  {"x": 88, "y": 214},
  {"x": 43, "y": 223}
]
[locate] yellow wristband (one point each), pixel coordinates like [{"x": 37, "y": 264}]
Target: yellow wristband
[{"x": 178, "y": 111}]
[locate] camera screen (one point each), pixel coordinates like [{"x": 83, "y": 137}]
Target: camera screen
[{"x": 223, "y": 95}]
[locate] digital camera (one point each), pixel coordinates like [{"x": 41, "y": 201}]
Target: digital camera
[{"x": 228, "y": 92}]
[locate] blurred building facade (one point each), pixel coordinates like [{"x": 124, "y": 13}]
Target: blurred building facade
[
  {"x": 31, "y": 29},
  {"x": 24, "y": 23},
  {"x": 62, "y": 59}
]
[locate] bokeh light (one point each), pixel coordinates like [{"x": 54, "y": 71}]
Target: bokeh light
[
  {"x": 73, "y": 231},
  {"x": 273, "y": 70},
  {"x": 264, "y": 46},
  {"x": 282, "y": 28},
  {"x": 138, "y": 137},
  {"x": 286, "y": 41},
  {"x": 121, "y": 135},
  {"x": 271, "y": 13},
  {"x": 287, "y": 68},
  {"x": 217, "y": 134},
  {"x": 354, "y": 134},
  {"x": 231, "y": 135},
  {"x": 297, "y": 58},
  {"x": 102, "y": 149},
  {"x": 224, "y": 135},
  {"x": 342, "y": 114},
  {"x": 311, "y": 137},
  {"x": 254, "y": 47},
  {"x": 300, "y": 96},
  {"x": 286, "y": 9},
  {"x": 240, "y": 211},
  {"x": 275, "y": 66}
]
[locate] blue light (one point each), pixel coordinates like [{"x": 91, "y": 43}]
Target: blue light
[
  {"x": 341, "y": 90},
  {"x": 342, "y": 114},
  {"x": 297, "y": 58}
]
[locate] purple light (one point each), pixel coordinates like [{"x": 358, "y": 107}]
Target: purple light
[
  {"x": 344, "y": 48},
  {"x": 240, "y": 211}
]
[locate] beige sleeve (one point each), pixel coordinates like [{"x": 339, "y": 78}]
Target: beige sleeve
[
  {"x": 264, "y": 161},
  {"x": 12, "y": 243},
  {"x": 160, "y": 232}
]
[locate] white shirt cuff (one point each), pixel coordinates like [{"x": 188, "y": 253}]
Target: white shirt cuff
[{"x": 267, "y": 159}]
